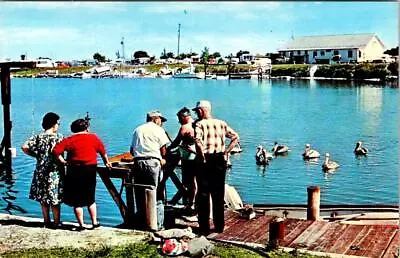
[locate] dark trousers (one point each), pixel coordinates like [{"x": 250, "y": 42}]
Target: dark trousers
[
  {"x": 211, "y": 182},
  {"x": 189, "y": 168}
]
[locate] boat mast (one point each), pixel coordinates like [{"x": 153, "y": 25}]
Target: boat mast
[{"x": 179, "y": 37}]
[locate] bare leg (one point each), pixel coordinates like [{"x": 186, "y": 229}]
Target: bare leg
[
  {"x": 79, "y": 215},
  {"x": 56, "y": 213},
  {"x": 93, "y": 213},
  {"x": 46, "y": 213}
]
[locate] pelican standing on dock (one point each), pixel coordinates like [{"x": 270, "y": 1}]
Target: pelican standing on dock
[
  {"x": 310, "y": 153},
  {"x": 279, "y": 149},
  {"x": 328, "y": 164},
  {"x": 359, "y": 150}
]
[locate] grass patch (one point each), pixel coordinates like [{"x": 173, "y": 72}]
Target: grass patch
[{"x": 146, "y": 250}]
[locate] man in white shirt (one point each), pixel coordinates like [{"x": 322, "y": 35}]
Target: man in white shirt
[{"x": 148, "y": 149}]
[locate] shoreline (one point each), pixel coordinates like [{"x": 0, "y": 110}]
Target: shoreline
[{"x": 393, "y": 79}]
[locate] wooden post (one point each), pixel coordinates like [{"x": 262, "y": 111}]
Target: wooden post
[
  {"x": 276, "y": 232},
  {"x": 151, "y": 208},
  {"x": 6, "y": 101},
  {"x": 313, "y": 202}
]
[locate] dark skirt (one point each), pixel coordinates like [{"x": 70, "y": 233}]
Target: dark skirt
[{"x": 80, "y": 185}]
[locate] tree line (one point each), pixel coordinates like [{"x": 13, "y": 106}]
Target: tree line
[{"x": 204, "y": 56}]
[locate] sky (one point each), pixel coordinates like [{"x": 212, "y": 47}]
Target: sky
[{"x": 73, "y": 30}]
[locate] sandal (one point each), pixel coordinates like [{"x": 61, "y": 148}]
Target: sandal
[
  {"x": 95, "y": 225},
  {"x": 58, "y": 225},
  {"x": 79, "y": 228}
]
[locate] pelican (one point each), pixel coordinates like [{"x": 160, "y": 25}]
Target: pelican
[
  {"x": 228, "y": 161},
  {"x": 236, "y": 149},
  {"x": 329, "y": 164},
  {"x": 262, "y": 156},
  {"x": 358, "y": 150},
  {"x": 279, "y": 149},
  {"x": 310, "y": 153}
]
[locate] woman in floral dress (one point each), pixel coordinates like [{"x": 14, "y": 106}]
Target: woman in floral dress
[{"x": 47, "y": 181}]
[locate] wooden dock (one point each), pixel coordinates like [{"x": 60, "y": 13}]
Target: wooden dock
[{"x": 317, "y": 236}]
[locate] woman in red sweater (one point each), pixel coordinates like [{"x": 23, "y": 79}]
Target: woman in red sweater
[{"x": 80, "y": 181}]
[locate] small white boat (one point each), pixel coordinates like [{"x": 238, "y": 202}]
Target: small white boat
[
  {"x": 222, "y": 77},
  {"x": 165, "y": 76},
  {"x": 187, "y": 73},
  {"x": 208, "y": 76}
]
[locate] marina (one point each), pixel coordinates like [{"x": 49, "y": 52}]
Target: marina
[{"x": 291, "y": 112}]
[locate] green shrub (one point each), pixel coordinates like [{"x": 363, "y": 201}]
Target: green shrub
[
  {"x": 369, "y": 71},
  {"x": 393, "y": 68},
  {"x": 294, "y": 70}
]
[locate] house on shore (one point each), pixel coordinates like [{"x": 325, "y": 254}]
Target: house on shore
[{"x": 326, "y": 49}]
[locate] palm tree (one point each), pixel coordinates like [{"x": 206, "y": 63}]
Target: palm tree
[{"x": 205, "y": 55}]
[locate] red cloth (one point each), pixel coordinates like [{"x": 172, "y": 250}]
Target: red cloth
[{"x": 81, "y": 148}]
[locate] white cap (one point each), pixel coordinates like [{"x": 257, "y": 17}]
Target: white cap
[
  {"x": 155, "y": 113},
  {"x": 203, "y": 104}
]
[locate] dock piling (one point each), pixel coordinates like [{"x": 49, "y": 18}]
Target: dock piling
[
  {"x": 151, "y": 208},
  {"x": 313, "y": 202},
  {"x": 276, "y": 232}
]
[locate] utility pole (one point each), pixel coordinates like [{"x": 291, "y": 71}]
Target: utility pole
[
  {"x": 179, "y": 38},
  {"x": 123, "y": 49}
]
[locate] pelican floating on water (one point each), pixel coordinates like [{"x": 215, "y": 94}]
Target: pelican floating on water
[
  {"x": 329, "y": 164},
  {"x": 359, "y": 150},
  {"x": 279, "y": 149},
  {"x": 310, "y": 153},
  {"x": 262, "y": 156}
]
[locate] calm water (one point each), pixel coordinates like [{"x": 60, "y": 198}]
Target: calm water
[{"x": 329, "y": 117}]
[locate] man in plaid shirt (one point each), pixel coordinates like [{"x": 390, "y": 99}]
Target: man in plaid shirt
[{"x": 210, "y": 135}]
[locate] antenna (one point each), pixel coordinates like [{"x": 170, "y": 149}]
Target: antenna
[{"x": 179, "y": 38}]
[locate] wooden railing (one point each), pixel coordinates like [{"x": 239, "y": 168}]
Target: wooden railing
[{"x": 122, "y": 168}]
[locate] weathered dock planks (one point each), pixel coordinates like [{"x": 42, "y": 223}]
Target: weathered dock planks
[{"x": 318, "y": 236}]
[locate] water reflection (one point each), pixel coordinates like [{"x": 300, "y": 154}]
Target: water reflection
[
  {"x": 8, "y": 194},
  {"x": 370, "y": 101},
  {"x": 262, "y": 170},
  {"x": 311, "y": 162}
]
